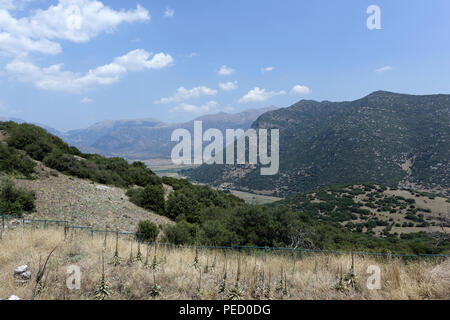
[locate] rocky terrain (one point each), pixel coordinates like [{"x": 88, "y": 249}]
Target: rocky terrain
[{"x": 85, "y": 203}]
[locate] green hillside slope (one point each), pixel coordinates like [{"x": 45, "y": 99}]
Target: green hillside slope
[{"x": 384, "y": 138}]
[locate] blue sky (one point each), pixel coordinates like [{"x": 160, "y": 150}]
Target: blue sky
[{"x": 163, "y": 59}]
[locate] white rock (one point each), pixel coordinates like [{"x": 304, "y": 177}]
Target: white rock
[
  {"x": 20, "y": 269},
  {"x": 14, "y": 298},
  {"x": 25, "y": 275}
]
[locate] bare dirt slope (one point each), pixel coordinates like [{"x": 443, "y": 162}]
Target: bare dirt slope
[{"x": 85, "y": 203}]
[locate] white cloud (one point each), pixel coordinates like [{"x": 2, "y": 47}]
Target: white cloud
[
  {"x": 184, "y": 94},
  {"x": 73, "y": 20},
  {"x": 225, "y": 71},
  {"x": 300, "y": 90},
  {"x": 383, "y": 69},
  {"x": 7, "y": 4},
  {"x": 268, "y": 69},
  {"x": 87, "y": 100},
  {"x": 21, "y": 45},
  {"x": 169, "y": 13},
  {"x": 55, "y": 79},
  {"x": 210, "y": 106},
  {"x": 260, "y": 95},
  {"x": 229, "y": 86}
]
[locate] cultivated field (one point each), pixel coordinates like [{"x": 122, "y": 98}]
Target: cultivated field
[
  {"x": 165, "y": 167},
  {"x": 164, "y": 273},
  {"x": 255, "y": 198}
]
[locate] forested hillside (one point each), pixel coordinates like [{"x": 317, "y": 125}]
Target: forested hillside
[{"x": 384, "y": 138}]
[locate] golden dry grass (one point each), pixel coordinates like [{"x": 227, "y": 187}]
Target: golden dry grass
[{"x": 307, "y": 277}]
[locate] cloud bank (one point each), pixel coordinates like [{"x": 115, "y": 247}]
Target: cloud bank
[{"x": 54, "y": 78}]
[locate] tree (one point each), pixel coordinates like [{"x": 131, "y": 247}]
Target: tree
[
  {"x": 183, "y": 204},
  {"x": 15, "y": 201},
  {"x": 149, "y": 198},
  {"x": 182, "y": 233},
  {"x": 147, "y": 231}
]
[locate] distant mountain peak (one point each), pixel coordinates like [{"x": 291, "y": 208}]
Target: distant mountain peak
[
  {"x": 150, "y": 138},
  {"x": 382, "y": 93}
]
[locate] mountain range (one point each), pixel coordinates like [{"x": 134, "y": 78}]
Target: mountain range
[
  {"x": 144, "y": 139},
  {"x": 385, "y": 138}
]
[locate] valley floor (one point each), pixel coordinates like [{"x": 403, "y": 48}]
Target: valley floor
[{"x": 183, "y": 273}]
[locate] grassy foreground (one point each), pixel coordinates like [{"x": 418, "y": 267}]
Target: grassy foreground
[{"x": 180, "y": 273}]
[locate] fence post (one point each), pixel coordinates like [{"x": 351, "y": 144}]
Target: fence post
[
  {"x": 65, "y": 230},
  {"x": 104, "y": 241},
  {"x": 3, "y": 224},
  {"x": 353, "y": 258}
]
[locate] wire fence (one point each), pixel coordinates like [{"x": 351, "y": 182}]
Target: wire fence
[{"x": 7, "y": 220}]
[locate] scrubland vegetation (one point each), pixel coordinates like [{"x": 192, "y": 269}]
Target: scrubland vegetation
[
  {"x": 39, "y": 145},
  {"x": 340, "y": 217}
]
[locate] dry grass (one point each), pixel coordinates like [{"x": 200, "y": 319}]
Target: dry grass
[{"x": 175, "y": 275}]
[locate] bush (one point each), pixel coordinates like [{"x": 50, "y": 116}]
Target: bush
[
  {"x": 13, "y": 162},
  {"x": 147, "y": 231},
  {"x": 150, "y": 198},
  {"x": 183, "y": 204},
  {"x": 176, "y": 184},
  {"x": 182, "y": 233},
  {"x": 15, "y": 201},
  {"x": 187, "y": 201},
  {"x": 37, "y": 142}
]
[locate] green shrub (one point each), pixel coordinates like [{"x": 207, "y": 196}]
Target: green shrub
[
  {"x": 182, "y": 233},
  {"x": 147, "y": 231},
  {"x": 13, "y": 162},
  {"x": 37, "y": 142},
  {"x": 183, "y": 204},
  {"x": 15, "y": 201},
  {"x": 150, "y": 198},
  {"x": 187, "y": 201},
  {"x": 176, "y": 184}
]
